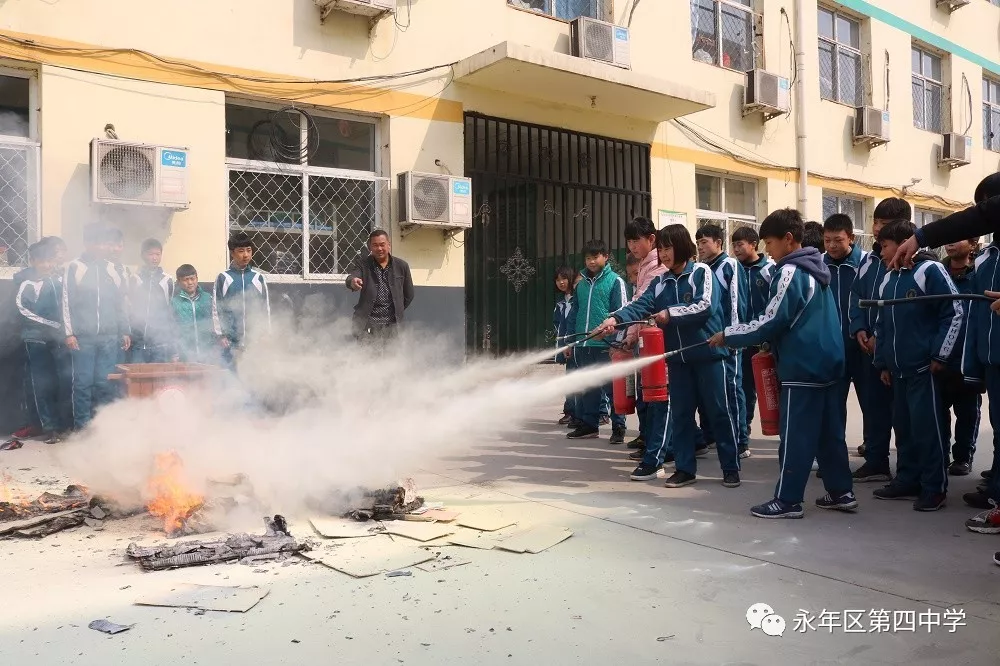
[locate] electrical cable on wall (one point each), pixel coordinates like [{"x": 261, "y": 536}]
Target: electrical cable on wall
[
  {"x": 888, "y": 85},
  {"x": 968, "y": 95},
  {"x": 635, "y": 3}
]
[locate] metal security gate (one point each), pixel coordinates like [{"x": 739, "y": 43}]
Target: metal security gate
[{"x": 540, "y": 193}]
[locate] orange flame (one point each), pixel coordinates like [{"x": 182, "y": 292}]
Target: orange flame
[{"x": 172, "y": 501}]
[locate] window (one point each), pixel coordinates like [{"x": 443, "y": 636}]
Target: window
[
  {"x": 991, "y": 114},
  {"x": 840, "y": 58},
  {"x": 722, "y": 33},
  {"x": 565, "y": 9},
  {"x": 726, "y": 202},
  {"x": 304, "y": 187},
  {"x": 922, "y": 216},
  {"x": 854, "y": 208},
  {"x": 18, "y": 171},
  {"x": 927, "y": 90}
]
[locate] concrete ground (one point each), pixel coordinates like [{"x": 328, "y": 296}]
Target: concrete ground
[{"x": 650, "y": 576}]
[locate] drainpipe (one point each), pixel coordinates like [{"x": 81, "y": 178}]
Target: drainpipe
[{"x": 800, "y": 108}]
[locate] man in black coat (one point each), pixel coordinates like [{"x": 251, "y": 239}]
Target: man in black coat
[{"x": 386, "y": 290}]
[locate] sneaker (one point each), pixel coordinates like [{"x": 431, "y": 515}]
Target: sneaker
[
  {"x": 574, "y": 424},
  {"x": 986, "y": 474},
  {"x": 617, "y": 435},
  {"x": 819, "y": 472},
  {"x": 27, "y": 432},
  {"x": 868, "y": 473},
  {"x": 566, "y": 418},
  {"x": 646, "y": 473},
  {"x": 52, "y": 438},
  {"x": 861, "y": 451},
  {"x": 777, "y": 509},
  {"x": 745, "y": 452},
  {"x": 960, "y": 468},
  {"x": 583, "y": 432},
  {"x": 987, "y": 522},
  {"x": 983, "y": 488},
  {"x": 929, "y": 502},
  {"x": 637, "y": 443},
  {"x": 845, "y": 502},
  {"x": 638, "y": 454},
  {"x": 978, "y": 500},
  {"x": 680, "y": 479},
  {"x": 701, "y": 451},
  {"x": 731, "y": 479},
  {"x": 895, "y": 492},
  {"x": 605, "y": 420}
]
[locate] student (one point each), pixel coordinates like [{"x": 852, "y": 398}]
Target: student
[
  {"x": 843, "y": 258},
  {"x": 39, "y": 302},
  {"x": 640, "y": 236},
  {"x": 94, "y": 323},
  {"x": 631, "y": 275},
  {"x": 565, "y": 310},
  {"x": 734, "y": 296},
  {"x": 757, "y": 276},
  {"x": 196, "y": 339},
  {"x": 800, "y": 322},
  {"x": 150, "y": 291},
  {"x": 913, "y": 346},
  {"x": 688, "y": 305},
  {"x": 877, "y": 404},
  {"x": 599, "y": 292},
  {"x": 30, "y": 424},
  {"x": 812, "y": 235},
  {"x": 240, "y": 298},
  {"x": 965, "y": 400}
]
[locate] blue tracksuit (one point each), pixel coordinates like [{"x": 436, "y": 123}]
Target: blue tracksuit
[
  {"x": 981, "y": 354},
  {"x": 242, "y": 304},
  {"x": 736, "y": 299},
  {"x": 151, "y": 315},
  {"x": 758, "y": 284},
  {"x": 907, "y": 339},
  {"x": 93, "y": 311},
  {"x": 876, "y": 397},
  {"x": 965, "y": 401},
  {"x": 39, "y": 301},
  {"x": 693, "y": 299},
  {"x": 27, "y": 403},
  {"x": 843, "y": 274},
  {"x": 801, "y": 325},
  {"x": 562, "y": 320}
]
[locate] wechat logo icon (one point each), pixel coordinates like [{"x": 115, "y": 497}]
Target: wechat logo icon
[{"x": 762, "y": 616}]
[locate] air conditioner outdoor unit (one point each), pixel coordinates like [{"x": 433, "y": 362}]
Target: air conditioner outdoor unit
[
  {"x": 137, "y": 173},
  {"x": 956, "y": 150},
  {"x": 433, "y": 200},
  {"x": 871, "y": 126},
  {"x": 602, "y": 41},
  {"x": 370, "y": 8},
  {"x": 766, "y": 93},
  {"x": 952, "y": 5}
]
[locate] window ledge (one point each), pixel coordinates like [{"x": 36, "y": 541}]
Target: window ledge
[
  {"x": 930, "y": 131},
  {"x": 847, "y": 105},
  {"x": 722, "y": 67},
  {"x": 536, "y": 13},
  {"x": 283, "y": 278}
]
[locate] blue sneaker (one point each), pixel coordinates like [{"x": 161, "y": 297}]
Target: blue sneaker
[
  {"x": 777, "y": 509},
  {"x": 843, "y": 502}
]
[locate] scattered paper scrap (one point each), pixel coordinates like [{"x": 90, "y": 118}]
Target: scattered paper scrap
[
  {"x": 444, "y": 563},
  {"x": 473, "y": 540},
  {"x": 361, "y": 558},
  {"x": 11, "y": 445},
  {"x": 396, "y": 574},
  {"x": 109, "y": 627},
  {"x": 333, "y": 528},
  {"x": 433, "y": 515},
  {"x": 535, "y": 539},
  {"x": 486, "y": 521},
  {"x": 418, "y": 531},
  {"x": 208, "y": 597}
]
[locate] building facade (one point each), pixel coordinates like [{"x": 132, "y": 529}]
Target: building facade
[{"x": 297, "y": 119}]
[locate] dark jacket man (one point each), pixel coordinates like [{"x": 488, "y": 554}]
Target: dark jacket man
[{"x": 385, "y": 284}]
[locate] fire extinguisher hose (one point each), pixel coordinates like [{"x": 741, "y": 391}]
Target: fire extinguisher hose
[
  {"x": 592, "y": 335},
  {"x": 890, "y": 302},
  {"x": 685, "y": 349}
]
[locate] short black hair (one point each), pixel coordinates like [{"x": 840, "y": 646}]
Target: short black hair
[
  {"x": 376, "y": 233},
  {"x": 812, "y": 236},
  {"x": 710, "y": 231},
  {"x": 639, "y": 227},
  {"x": 632, "y": 260},
  {"x": 593, "y": 248},
  {"x": 747, "y": 235},
  {"x": 893, "y": 208},
  {"x": 94, "y": 234},
  {"x": 678, "y": 237},
  {"x": 783, "y": 221},
  {"x": 41, "y": 250},
  {"x": 114, "y": 235},
  {"x": 238, "y": 240},
  {"x": 54, "y": 241},
  {"x": 151, "y": 244},
  {"x": 988, "y": 188},
  {"x": 185, "y": 270},
  {"x": 839, "y": 222},
  {"x": 897, "y": 231}
]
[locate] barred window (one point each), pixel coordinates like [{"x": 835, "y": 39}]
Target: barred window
[
  {"x": 729, "y": 203},
  {"x": 722, "y": 33},
  {"x": 565, "y": 9},
  {"x": 922, "y": 216},
  {"x": 18, "y": 172},
  {"x": 927, "y": 90},
  {"x": 304, "y": 188},
  {"x": 854, "y": 208},
  {"x": 840, "y": 60},
  {"x": 991, "y": 114}
]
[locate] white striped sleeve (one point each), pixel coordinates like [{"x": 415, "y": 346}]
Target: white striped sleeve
[
  {"x": 703, "y": 303},
  {"x": 27, "y": 312}
]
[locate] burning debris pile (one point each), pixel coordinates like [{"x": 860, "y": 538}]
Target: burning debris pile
[
  {"x": 391, "y": 503},
  {"x": 51, "y": 513}
]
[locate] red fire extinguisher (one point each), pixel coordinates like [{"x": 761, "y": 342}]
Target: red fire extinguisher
[
  {"x": 623, "y": 388},
  {"x": 654, "y": 376},
  {"x": 765, "y": 378}
]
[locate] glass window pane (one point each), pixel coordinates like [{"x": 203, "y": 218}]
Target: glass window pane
[
  {"x": 915, "y": 60},
  {"x": 994, "y": 130},
  {"x": 704, "y": 45},
  {"x": 709, "y": 192},
  {"x": 825, "y": 23},
  {"x": 986, "y": 90},
  {"x": 268, "y": 207},
  {"x": 341, "y": 214},
  {"x": 935, "y": 68},
  {"x": 934, "y": 108},
  {"x": 848, "y": 32},
  {"x": 571, "y": 9},
  {"x": 849, "y": 77},
  {"x": 826, "y": 71},
  {"x": 13, "y": 106},
  {"x": 535, "y": 5},
  {"x": 343, "y": 144},
  {"x": 737, "y": 39},
  {"x": 855, "y": 209},
  {"x": 918, "y": 102},
  {"x": 252, "y": 134},
  {"x": 740, "y": 197},
  {"x": 829, "y": 205},
  {"x": 995, "y": 92}
]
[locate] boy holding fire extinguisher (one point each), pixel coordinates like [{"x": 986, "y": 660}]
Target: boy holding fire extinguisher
[{"x": 802, "y": 326}]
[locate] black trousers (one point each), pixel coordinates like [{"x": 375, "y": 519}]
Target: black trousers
[{"x": 376, "y": 334}]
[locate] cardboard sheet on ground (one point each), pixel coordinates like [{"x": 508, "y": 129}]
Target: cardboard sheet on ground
[
  {"x": 334, "y": 528},
  {"x": 535, "y": 539},
  {"x": 434, "y": 515},
  {"x": 470, "y": 539},
  {"x": 208, "y": 597},
  {"x": 418, "y": 531},
  {"x": 486, "y": 521},
  {"x": 369, "y": 557}
]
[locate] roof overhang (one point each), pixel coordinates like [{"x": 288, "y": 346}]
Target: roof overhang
[{"x": 577, "y": 82}]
